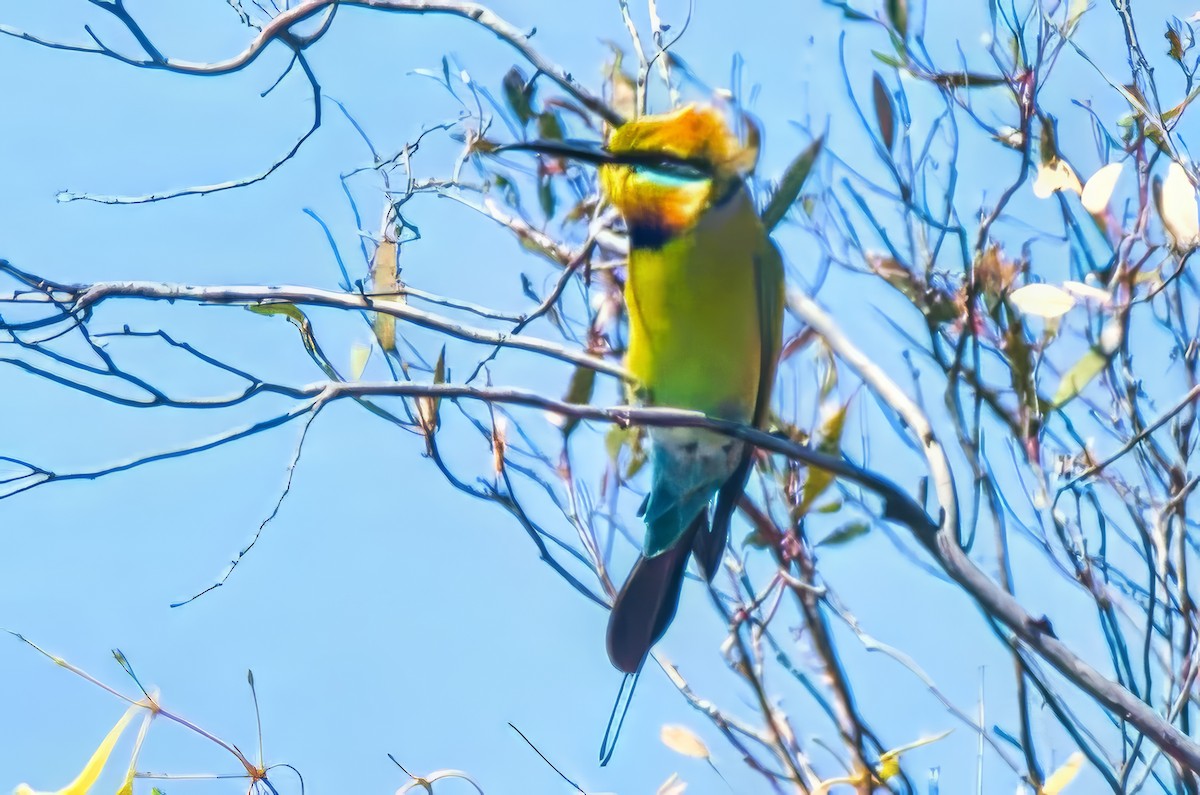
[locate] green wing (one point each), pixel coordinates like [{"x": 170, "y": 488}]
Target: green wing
[
  {"x": 768, "y": 266},
  {"x": 708, "y": 546}
]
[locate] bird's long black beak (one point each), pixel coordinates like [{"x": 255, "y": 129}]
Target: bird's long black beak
[
  {"x": 583, "y": 151},
  {"x": 595, "y": 153}
]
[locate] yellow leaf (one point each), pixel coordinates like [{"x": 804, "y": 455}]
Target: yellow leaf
[
  {"x": 499, "y": 443},
  {"x": 359, "y": 356},
  {"x": 86, "y": 779},
  {"x": 1090, "y": 365},
  {"x": 1042, "y": 300},
  {"x": 385, "y": 282},
  {"x": 127, "y": 785},
  {"x": 579, "y": 390},
  {"x": 1099, "y": 188},
  {"x": 672, "y": 786},
  {"x": 1060, "y": 778},
  {"x": 830, "y": 442},
  {"x": 683, "y": 740},
  {"x": 1074, "y": 11},
  {"x": 1179, "y": 208},
  {"x": 889, "y": 761},
  {"x": 1054, "y": 176},
  {"x": 427, "y": 407}
]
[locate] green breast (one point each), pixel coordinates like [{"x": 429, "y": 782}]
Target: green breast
[{"x": 695, "y": 333}]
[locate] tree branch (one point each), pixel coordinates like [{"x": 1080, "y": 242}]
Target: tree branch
[{"x": 1036, "y": 634}]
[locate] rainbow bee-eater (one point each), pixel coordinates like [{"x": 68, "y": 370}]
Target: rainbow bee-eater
[{"x": 704, "y": 292}]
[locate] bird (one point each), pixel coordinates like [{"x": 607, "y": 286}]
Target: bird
[{"x": 704, "y": 293}]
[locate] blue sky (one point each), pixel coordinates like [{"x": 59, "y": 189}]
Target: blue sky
[{"x": 384, "y": 612}]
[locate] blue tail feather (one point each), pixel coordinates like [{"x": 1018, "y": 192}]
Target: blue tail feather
[
  {"x": 677, "y": 524},
  {"x": 669, "y": 511}
]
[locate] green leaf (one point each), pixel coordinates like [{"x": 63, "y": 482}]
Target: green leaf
[
  {"x": 579, "y": 390},
  {"x": 297, "y": 318},
  {"x": 545, "y": 191},
  {"x": 964, "y": 80},
  {"x": 845, "y": 534},
  {"x": 1048, "y": 140},
  {"x": 884, "y": 113},
  {"x": 854, "y": 14},
  {"x": 890, "y": 60},
  {"x": 310, "y": 343},
  {"x": 518, "y": 94},
  {"x": 1080, "y": 375},
  {"x": 755, "y": 539},
  {"x": 549, "y": 126},
  {"x": 511, "y": 197},
  {"x": 790, "y": 186},
  {"x": 897, "y": 11}
]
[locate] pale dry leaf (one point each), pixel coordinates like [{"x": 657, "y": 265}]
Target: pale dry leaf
[
  {"x": 1042, "y": 300},
  {"x": 385, "y": 282},
  {"x": 1099, "y": 188},
  {"x": 672, "y": 786},
  {"x": 1053, "y": 177},
  {"x": 1087, "y": 292},
  {"x": 499, "y": 444},
  {"x": 1179, "y": 208},
  {"x": 826, "y": 786},
  {"x": 1010, "y": 136},
  {"x": 683, "y": 740},
  {"x": 1112, "y": 335},
  {"x": 359, "y": 356}
]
